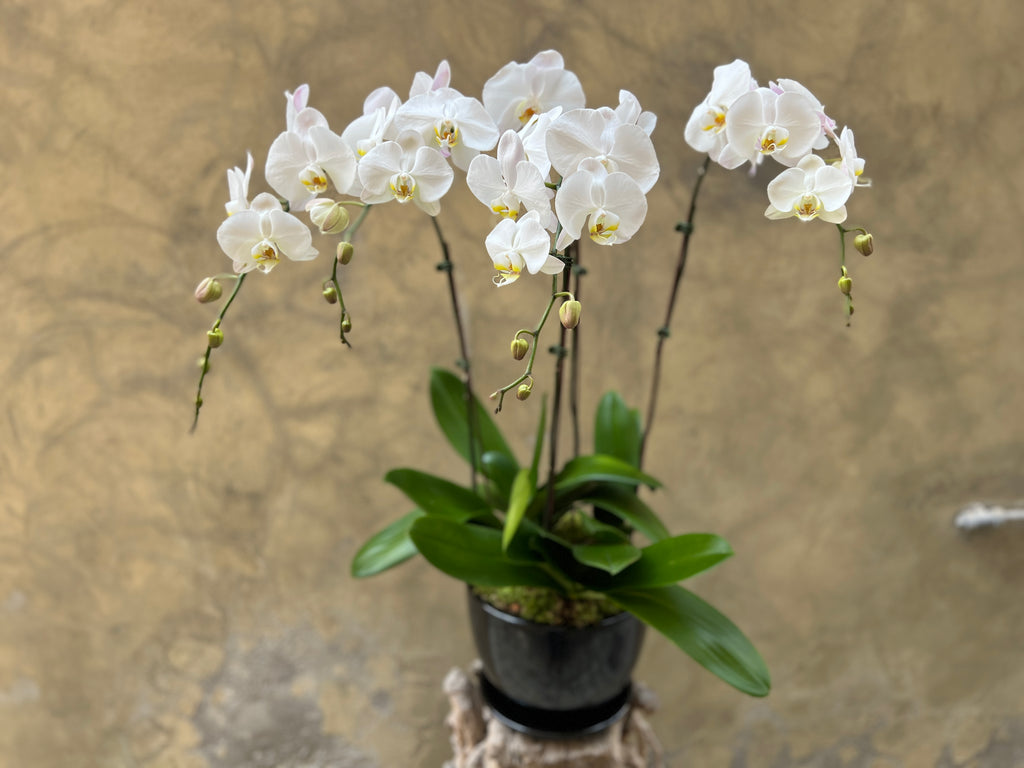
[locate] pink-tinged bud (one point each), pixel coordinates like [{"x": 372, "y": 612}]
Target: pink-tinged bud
[
  {"x": 519, "y": 348},
  {"x": 865, "y": 244},
  {"x": 215, "y": 337},
  {"x": 329, "y": 216},
  {"x": 569, "y": 313},
  {"x": 345, "y": 251},
  {"x": 208, "y": 290}
]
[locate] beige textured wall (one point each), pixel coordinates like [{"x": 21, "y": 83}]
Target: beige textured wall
[{"x": 183, "y": 601}]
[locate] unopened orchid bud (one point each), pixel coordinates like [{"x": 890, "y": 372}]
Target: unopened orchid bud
[
  {"x": 345, "y": 251},
  {"x": 329, "y": 216},
  {"x": 204, "y": 364},
  {"x": 215, "y": 337},
  {"x": 569, "y": 313},
  {"x": 865, "y": 244},
  {"x": 519, "y": 348},
  {"x": 845, "y": 283},
  {"x": 524, "y": 391},
  {"x": 346, "y": 324},
  {"x": 330, "y": 294},
  {"x": 208, "y": 290}
]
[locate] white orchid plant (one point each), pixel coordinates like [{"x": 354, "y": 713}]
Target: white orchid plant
[{"x": 560, "y": 173}]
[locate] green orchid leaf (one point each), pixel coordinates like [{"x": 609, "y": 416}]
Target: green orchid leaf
[
  {"x": 501, "y": 471},
  {"x": 523, "y": 488},
  {"x": 386, "y": 548},
  {"x": 617, "y": 430},
  {"x": 473, "y": 554},
  {"x": 612, "y": 558},
  {"x": 701, "y": 631},
  {"x": 672, "y": 560},
  {"x": 599, "y": 468},
  {"x": 448, "y": 397},
  {"x": 628, "y": 507},
  {"x": 596, "y": 532},
  {"x": 439, "y": 497}
]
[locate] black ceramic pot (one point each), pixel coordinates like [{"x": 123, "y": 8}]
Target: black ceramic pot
[{"x": 551, "y": 681}]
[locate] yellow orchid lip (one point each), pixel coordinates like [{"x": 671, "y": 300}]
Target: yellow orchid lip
[
  {"x": 265, "y": 255},
  {"x": 604, "y": 228},
  {"x": 808, "y": 207},
  {"x": 314, "y": 179},
  {"x": 403, "y": 186}
]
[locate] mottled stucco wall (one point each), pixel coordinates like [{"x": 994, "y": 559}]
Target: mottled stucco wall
[{"x": 183, "y": 601}]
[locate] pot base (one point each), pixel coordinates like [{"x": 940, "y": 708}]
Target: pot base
[{"x": 554, "y": 724}]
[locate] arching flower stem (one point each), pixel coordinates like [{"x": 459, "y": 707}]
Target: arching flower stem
[
  {"x": 463, "y": 363},
  {"x": 349, "y": 234},
  {"x": 499, "y": 394},
  {"x": 205, "y": 359},
  {"x": 559, "y": 351},
  {"x": 686, "y": 227}
]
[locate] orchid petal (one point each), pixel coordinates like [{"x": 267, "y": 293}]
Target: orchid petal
[{"x": 292, "y": 237}]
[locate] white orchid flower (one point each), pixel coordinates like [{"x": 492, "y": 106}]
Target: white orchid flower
[
  {"x": 517, "y": 245},
  {"x": 301, "y": 161},
  {"x": 257, "y": 237},
  {"x": 611, "y": 205},
  {"x": 511, "y": 182},
  {"x": 705, "y": 130},
  {"x": 406, "y": 170},
  {"x": 517, "y": 91},
  {"x": 811, "y": 190},
  {"x": 534, "y": 136},
  {"x": 424, "y": 83},
  {"x": 580, "y": 134},
  {"x": 848, "y": 159},
  {"x": 295, "y": 103},
  {"x": 238, "y": 187},
  {"x": 762, "y": 122},
  {"x": 629, "y": 112},
  {"x": 828, "y": 125},
  {"x": 458, "y": 126},
  {"x": 376, "y": 125}
]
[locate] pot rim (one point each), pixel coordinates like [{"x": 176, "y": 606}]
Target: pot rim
[{"x": 511, "y": 618}]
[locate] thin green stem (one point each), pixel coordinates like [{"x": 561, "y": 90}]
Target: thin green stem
[
  {"x": 205, "y": 366},
  {"x": 686, "y": 227},
  {"x": 574, "y": 361},
  {"x": 447, "y": 267},
  {"x": 549, "y": 507},
  {"x": 842, "y": 266},
  {"x": 499, "y": 394},
  {"x": 350, "y": 233}
]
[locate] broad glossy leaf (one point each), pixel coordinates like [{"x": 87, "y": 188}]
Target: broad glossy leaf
[
  {"x": 523, "y": 488},
  {"x": 612, "y": 558},
  {"x": 627, "y": 506},
  {"x": 617, "y": 429},
  {"x": 386, "y": 548},
  {"x": 600, "y": 468},
  {"x": 448, "y": 398},
  {"x": 439, "y": 497},
  {"x": 500, "y": 470},
  {"x": 700, "y": 630},
  {"x": 473, "y": 554},
  {"x": 672, "y": 560}
]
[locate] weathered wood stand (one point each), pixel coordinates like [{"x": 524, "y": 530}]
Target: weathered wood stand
[{"x": 480, "y": 740}]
